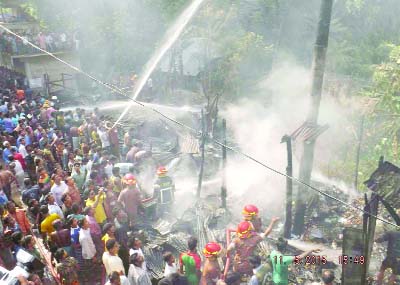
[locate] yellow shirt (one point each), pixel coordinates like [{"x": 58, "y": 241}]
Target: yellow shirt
[
  {"x": 47, "y": 225},
  {"x": 105, "y": 238},
  {"x": 99, "y": 213},
  {"x": 116, "y": 182}
]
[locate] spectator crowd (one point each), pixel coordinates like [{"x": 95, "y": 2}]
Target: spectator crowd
[
  {"x": 58, "y": 183},
  {"x": 49, "y": 41}
]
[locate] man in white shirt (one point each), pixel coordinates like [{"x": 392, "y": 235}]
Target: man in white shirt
[
  {"x": 63, "y": 40},
  {"x": 86, "y": 241},
  {"x": 49, "y": 42},
  {"x": 136, "y": 245},
  {"x": 104, "y": 138},
  {"x": 22, "y": 149},
  {"x": 58, "y": 189},
  {"x": 170, "y": 265},
  {"x": 19, "y": 171},
  {"x": 112, "y": 262},
  {"x": 136, "y": 274},
  {"x": 53, "y": 207}
]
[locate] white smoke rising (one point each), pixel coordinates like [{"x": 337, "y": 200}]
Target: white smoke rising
[{"x": 257, "y": 126}]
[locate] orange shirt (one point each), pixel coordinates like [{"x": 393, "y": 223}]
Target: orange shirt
[
  {"x": 20, "y": 94},
  {"x": 22, "y": 220}
]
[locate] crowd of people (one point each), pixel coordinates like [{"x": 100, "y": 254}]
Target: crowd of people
[
  {"x": 57, "y": 179},
  {"x": 64, "y": 202},
  {"x": 50, "y": 41}
]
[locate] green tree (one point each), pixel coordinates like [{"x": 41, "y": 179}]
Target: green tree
[{"x": 380, "y": 106}]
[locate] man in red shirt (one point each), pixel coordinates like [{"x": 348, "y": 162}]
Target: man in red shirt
[
  {"x": 19, "y": 216},
  {"x": 19, "y": 157}
]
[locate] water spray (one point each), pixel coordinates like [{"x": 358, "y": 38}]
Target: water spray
[{"x": 170, "y": 38}]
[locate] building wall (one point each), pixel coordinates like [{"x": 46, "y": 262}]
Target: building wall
[{"x": 35, "y": 66}]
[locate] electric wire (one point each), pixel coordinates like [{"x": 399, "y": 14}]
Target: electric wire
[{"x": 200, "y": 133}]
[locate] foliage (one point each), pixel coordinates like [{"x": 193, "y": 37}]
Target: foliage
[
  {"x": 245, "y": 59},
  {"x": 236, "y": 56},
  {"x": 382, "y": 125},
  {"x": 360, "y": 37},
  {"x": 169, "y": 9},
  {"x": 354, "y": 5}
]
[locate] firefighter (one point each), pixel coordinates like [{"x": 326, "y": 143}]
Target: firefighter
[
  {"x": 164, "y": 189},
  {"x": 211, "y": 270},
  {"x": 245, "y": 245},
  {"x": 250, "y": 213}
]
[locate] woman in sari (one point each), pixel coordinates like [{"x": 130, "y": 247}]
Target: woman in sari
[{"x": 190, "y": 263}]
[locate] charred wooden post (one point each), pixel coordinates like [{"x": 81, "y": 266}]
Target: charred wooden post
[
  {"x": 372, "y": 209},
  {"x": 318, "y": 69},
  {"x": 223, "y": 187},
  {"x": 289, "y": 187},
  {"x": 367, "y": 209},
  {"x": 203, "y": 144}
]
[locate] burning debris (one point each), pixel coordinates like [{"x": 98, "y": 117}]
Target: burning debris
[{"x": 327, "y": 218}]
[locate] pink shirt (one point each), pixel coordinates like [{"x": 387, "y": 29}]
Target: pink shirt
[
  {"x": 94, "y": 226},
  {"x": 74, "y": 194}
]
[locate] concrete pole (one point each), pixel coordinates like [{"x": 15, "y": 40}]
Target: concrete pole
[
  {"x": 223, "y": 188},
  {"x": 289, "y": 188},
  {"x": 318, "y": 69},
  {"x": 203, "y": 144}
]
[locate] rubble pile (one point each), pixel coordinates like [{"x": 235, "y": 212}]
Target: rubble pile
[
  {"x": 171, "y": 234},
  {"x": 327, "y": 219},
  {"x": 353, "y": 217},
  {"x": 154, "y": 260}
]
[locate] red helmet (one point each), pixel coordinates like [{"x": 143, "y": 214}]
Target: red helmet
[
  {"x": 211, "y": 249},
  {"x": 244, "y": 229},
  {"x": 129, "y": 179},
  {"x": 161, "y": 170},
  {"x": 250, "y": 211}
]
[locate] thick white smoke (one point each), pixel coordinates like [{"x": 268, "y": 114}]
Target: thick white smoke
[{"x": 257, "y": 126}]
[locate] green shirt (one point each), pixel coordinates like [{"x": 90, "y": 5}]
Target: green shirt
[
  {"x": 280, "y": 264},
  {"x": 79, "y": 180}
]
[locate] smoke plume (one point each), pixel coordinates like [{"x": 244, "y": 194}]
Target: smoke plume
[{"x": 257, "y": 126}]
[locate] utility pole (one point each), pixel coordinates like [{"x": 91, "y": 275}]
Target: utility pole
[
  {"x": 287, "y": 230},
  {"x": 318, "y": 68},
  {"x": 203, "y": 144},
  {"x": 223, "y": 187}
]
